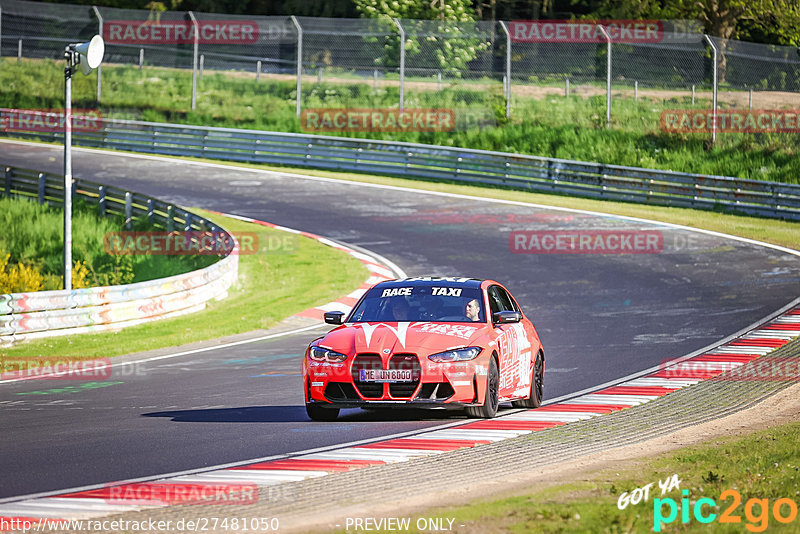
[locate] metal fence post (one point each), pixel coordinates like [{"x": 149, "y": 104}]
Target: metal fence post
[
  {"x": 714, "y": 90},
  {"x": 402, "y": 61},
  {"x": 101, "y": 200},
  {"x": 194, "y": 58},
  {"x": 608, "y": 75},
  {"x": 141, "y": 58},
  {"x": 508, "y": 68},
  {"x": 128, "y": 210},
  {"x": 99, "y": 67},
  {"x": 1, "y": 32},
  {"x": 19, "y": 50},
  {"x": 299, "y": 62},
  {"x": 42, "y": 186}
]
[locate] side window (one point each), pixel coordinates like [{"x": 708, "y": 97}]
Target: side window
[
  {"x": 499, "y": 300},
  {"x": 510, "y": 299},
  {"x": 495, "y": 305}
]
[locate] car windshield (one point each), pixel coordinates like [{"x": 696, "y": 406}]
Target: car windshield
[{"x": 445, "y": 303}]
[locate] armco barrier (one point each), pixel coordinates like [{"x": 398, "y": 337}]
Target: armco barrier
[
  {"x": 51, "y": 313},
  {"x": 409, "y": 160}
]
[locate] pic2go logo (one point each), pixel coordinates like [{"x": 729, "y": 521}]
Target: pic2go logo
[{"x": 756, "y": 511}]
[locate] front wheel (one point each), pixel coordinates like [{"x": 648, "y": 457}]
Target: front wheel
[
  {"x": 321, "y": 413},
  {"x": 537, "y": 386},
  {"x": 492, "y": 400}
]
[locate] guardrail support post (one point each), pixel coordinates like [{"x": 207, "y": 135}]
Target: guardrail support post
[
  {"x": 194, "y": 58},
  {"x": 9, "y": 177},
  {"x": 101, "y": 200},
  {"x": 187, "y": 227},
  {"x": 508, "y": 68},
  {"x": 42, "y": 186},
  {"x": 299, "y": 63},
  {"x": 714, "y": 90},
  {"x": 151, "y": 211},
  {"x": 128, "y": 210},
  {"x": 170, "y": 218},
  {"x": 402, "y": 62}
]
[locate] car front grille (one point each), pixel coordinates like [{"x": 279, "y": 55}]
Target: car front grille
[
  {"x": 369, "y": 390},
  {"x": 401, "y": 390}
]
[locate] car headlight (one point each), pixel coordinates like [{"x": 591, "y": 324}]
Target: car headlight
[
  {"x": 321, "y": 354},
  {"x": 456, "y": 355}
]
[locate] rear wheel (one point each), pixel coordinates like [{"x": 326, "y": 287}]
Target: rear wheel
[
  {"x": 537, "y": 386},
  {"x": 321, "y": 413},
  {"x": 492, "y": 401}
]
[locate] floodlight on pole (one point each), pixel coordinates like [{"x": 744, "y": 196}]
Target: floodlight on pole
[{"x": 88, "y": 55}]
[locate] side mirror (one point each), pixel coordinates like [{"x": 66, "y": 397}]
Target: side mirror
[
  {"x": 506, "y": 317},
  {"x": 334, "y": 317}
]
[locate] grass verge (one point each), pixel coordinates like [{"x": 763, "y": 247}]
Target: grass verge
[
  {"x": 273, "y": 284},
  {"x": 762, "y": 466},
  {"x": 33, "y": 234}
]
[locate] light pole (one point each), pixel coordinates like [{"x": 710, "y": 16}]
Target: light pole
[{"x": 88, "y": 55}]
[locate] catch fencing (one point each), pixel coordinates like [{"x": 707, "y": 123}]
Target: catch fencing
[
  {"x": 53, "y": 313},
  {"x": 410, "y": 160},
  {"x": 483, "y": 63}
]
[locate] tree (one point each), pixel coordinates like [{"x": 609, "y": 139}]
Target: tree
[
  {"x": 443, "y": 34},
  {"x": 775, "y": 20},
  {"x": 720, "y": 18}
]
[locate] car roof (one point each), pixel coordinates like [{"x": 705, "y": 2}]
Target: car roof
[{"x": 432, "y": 280}]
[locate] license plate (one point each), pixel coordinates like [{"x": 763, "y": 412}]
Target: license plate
[{"x": 384, "y": 375}]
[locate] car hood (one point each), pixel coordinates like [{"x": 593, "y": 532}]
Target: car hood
[{"x": 391, "y": 338}]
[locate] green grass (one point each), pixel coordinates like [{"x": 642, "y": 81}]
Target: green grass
[
  {"x": 33, "y": 235},
  {"x": 553, "y": 126},
  {"x": 762, "y": 465},
  {"x": 272, "y": 285}
]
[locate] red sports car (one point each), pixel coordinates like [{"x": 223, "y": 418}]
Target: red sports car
[{"x": 427, "y": 342}]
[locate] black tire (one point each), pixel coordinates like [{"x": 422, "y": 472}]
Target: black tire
[
  {"x": 492, "y": 401},
  {"x": 321, "y": 413},
  {"x": 537, "y": 386}
]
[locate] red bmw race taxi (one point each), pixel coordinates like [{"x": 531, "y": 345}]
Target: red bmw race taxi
[{"x": 426, "y": 342}]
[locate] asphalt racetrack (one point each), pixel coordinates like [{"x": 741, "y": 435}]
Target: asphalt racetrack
[{"x": 601, "y": 317}]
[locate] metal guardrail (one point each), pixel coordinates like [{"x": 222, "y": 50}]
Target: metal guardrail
[
  {"x": 49, "y": 313},
  {"x": 410, "y": 160}
]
